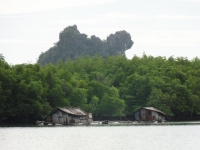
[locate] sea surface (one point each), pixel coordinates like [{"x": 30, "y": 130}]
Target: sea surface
[{"x": 171, "y": 137}]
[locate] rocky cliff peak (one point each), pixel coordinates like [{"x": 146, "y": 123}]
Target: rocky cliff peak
[{"x": 73, "y": 44}]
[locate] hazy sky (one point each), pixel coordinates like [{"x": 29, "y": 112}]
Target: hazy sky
[{"x": 157, "y": 27}]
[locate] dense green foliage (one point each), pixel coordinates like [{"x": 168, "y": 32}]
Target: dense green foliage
[{"x": 109, "y": 87}]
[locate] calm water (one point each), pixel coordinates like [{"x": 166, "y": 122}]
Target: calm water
[{"x": 102, "y": 137}]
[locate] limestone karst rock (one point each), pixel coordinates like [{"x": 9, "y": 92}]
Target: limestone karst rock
[{"x": 73, "y": 44}]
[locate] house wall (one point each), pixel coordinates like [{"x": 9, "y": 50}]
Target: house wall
[
  {"x": 55, "y": 118},
  {"x": 154, "y": 115},
  {"x": 148, "y": 115},
  {"x": 142, "y": 115},
  {"x": 67, "y": 118},
  {"x": 89, "y": 118},
  {"x": 63, "y": 118},
  {"x": 158, "y": 116},
  {"x": 137, "y": 118}
]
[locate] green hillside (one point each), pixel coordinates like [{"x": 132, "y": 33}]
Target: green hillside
[{"x": 107, "y": 87}]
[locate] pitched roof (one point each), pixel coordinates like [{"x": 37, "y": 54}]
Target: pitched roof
[
  {"x": 73, "y": 111},
  {"x": 69, "y": 110},
  {"x": 153, "y": 109}
]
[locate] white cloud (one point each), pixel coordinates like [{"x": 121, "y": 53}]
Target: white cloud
[
  {"x": 176, "y": 17},
  {"x": 14, "y": 15},
  {"x": 27, "y": 6},
  {"x": 168, "y": 37},
  {"x": 165, "y": 43},
  {"x": 189, "y": 0},
  {"x": 123, "y": 16},
  {"x": 21, "y": 41},
  {"x": 108, "y": 18}
]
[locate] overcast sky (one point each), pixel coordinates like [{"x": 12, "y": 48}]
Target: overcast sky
[{"x": 157, "y": 27}]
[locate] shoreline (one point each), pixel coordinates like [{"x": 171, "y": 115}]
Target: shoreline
[{"x": 110, "y": 123}]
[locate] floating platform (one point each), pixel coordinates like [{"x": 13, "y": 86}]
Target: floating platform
[
  {"x": 124, "y": 123},
  {"x": 135, "y": 123}
]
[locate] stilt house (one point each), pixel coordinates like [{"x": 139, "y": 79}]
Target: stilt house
[
  {"x": 149, "y": 114},
  {"x": 67, "y": 116}
]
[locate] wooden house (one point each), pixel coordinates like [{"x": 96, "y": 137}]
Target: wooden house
[
  {"x": 149, "y": 114},
  {"x": 67, "y": 116}
]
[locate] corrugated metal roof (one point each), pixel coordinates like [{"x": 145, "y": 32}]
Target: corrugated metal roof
[
  {"x": 70, "y": 110},
  {"x": 154, "y": 109},
  {"x": 73, "y": 111}
]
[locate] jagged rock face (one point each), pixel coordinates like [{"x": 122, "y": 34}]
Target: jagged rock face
[
  {"x": 120, "y": 42},
  {"x": 72, "y": 44}
]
